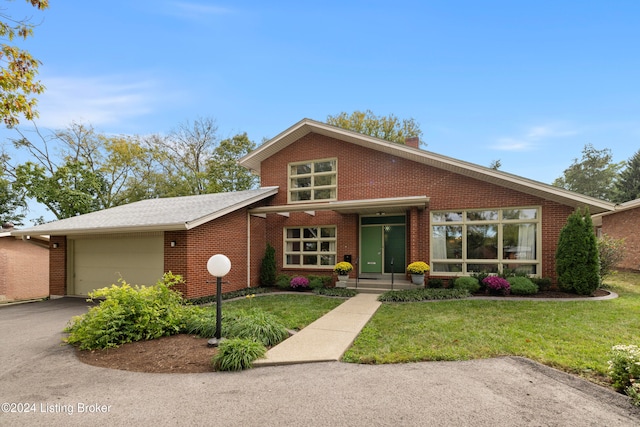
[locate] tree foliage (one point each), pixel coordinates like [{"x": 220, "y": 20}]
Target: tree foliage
[
  {"x": 628, "y": 183},
  {"x": 268, "y": 267},
  {"x": 594, "y": 175},
  {"x": 611, "y": 252},
  {"x": 577, "y": 260},
  {"x": 78, "y": 170},
  {"x": 18, "y": 69},
  {"x": 388, "y": 127},
  {"x": 12, "y": 203}
]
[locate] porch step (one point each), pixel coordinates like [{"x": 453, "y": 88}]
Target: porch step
[{"x": 379, "y": 286}]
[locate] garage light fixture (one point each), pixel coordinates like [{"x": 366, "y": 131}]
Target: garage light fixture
[
  {"x": 55, "y": 246},
  {"x": 173, "y": 243}
]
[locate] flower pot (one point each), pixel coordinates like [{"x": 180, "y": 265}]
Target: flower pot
[
  {"x": 342, "y": 280},
  {"x": 417, "y": 279}
]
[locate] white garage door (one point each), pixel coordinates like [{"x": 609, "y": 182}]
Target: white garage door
[{"x": 100, "y": 262}]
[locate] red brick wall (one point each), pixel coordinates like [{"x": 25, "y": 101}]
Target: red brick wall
[
  {"x": 226, "y": 235},
  {"x": 369, "y": 174},
  {"x": 625, "y": 225}
]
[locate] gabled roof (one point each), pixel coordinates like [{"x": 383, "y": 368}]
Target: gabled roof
[
  {"x": 631, "y": 204},
  {"x": 254, "y": 159},
  {"x": 173, "y": 213}
]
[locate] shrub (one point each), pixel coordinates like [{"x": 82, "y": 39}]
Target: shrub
[
  {"x": 423, "y": 294},
  {"x": 577, "y": 261},
  {"x": 255, "y": 324},
  {"x": 299, "y": 283},
  {"x": 480, "y": 276},
  {"x": 497, "y": 285},
  {"x": 544, "y": 283},
  {"x": 467, "y": 282},
  {"x": 282, "y": 281},
  {"x": 317, "y": 282},
  {"x": 336, "y": 292},
  {"x": 268, "y": 267},
  {"x": 129, "y": 314},
  {"x": 624, "y": 370},
  {"x": 611, "y": 253},
  {"x": 519, "y": 285},
  {"x": 237, "y": 354},
  {"x": 435, "y": 283}
]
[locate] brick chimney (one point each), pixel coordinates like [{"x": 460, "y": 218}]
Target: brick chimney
[{"x": 412, "y": 141}]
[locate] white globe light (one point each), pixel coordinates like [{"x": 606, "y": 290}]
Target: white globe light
[{"x": 218, "y": 265}]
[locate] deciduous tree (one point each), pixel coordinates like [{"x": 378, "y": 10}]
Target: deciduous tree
[
  {"x": 18, "y": 69},
  {"x": 388, "y": 127},
  {"x": 594, "y": 175}
]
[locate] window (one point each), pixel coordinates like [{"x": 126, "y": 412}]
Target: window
[
  {"x": 310, "y": 246},
  {"x": 489, "y": 240},
  {"x": 314, "y": 180}
]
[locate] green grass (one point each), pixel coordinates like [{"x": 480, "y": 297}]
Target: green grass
[
  {"x": 294, "y": 311},
  {"x": 573, "y": 336}
]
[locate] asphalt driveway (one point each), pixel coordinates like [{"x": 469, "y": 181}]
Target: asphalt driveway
[{"x": 42, "y": 383}]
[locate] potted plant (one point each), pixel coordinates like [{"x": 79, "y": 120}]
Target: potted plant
[
  {"x": 417, "y": 271},
  {"x": 342, "y": 269}
]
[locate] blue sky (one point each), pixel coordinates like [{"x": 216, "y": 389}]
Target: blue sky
[{"x": 526, "y": 82}]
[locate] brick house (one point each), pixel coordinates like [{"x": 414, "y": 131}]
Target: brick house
[
  {"x": 327, "y": 194},
  {"x": 24, "y": 266},
  {"x": 623, "y": 223}
]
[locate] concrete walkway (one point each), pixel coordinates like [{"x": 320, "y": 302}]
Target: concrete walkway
[{"x": 327, "y": 338}]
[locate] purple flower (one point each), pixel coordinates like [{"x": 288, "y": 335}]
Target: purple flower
[
  {"x": 497, "y": 284},
  {"x": 299, "y": 282}
]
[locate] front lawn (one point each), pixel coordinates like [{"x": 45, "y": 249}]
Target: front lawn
[{"x": 573, "y": 336}]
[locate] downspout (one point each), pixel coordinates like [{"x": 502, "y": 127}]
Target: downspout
[{"x": 248, "y": 249}]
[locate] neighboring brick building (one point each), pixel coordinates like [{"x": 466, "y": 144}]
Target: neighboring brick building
[
  {"x": 24, "y": 267},
  {"x": 624, "y": 223},
  {"x": 327, "y": 194}
]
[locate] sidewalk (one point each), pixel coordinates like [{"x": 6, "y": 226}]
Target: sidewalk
[{"x": 327, "y": 338}]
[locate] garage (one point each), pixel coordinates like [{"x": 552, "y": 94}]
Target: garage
[{"x": 97, "y": 262}]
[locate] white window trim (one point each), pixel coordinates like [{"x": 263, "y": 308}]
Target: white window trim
[
  {"x": 318, "y": 252},
  {"x": 464, "y": 261},
  {"x": 312, "y": 175}
]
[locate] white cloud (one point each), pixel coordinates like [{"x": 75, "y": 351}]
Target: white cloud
[
  {"x": 533, "y": 138},
  {"x": 101, "y": 100}
]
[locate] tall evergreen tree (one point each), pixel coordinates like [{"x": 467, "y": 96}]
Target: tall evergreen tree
[
  {"x": 577, "y": 259},
  {"x": 628, "y": 183}
]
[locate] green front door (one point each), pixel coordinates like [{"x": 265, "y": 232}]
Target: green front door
[
  {"x": 382, "y": 245},
  {"x": 371, "y": 244}
]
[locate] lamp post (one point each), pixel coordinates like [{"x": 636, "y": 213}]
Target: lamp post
[{"x": 218, "y": 266}]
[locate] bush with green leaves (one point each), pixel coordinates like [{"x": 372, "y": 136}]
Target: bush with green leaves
[
  {"x": 624, "y": 370},
  {"x": 236, "y": 354},
  {"x": 543, "y": 283},
  {"x": 435, "y": 283},
  {"x": 468, "y": 283},
  {"x": 318, "y": 282},
  {"x": 611, "y": 252},
  {"x": 268, "y": 267},
  {"x": 520, "y": 285},
  {"x": 577, "y": 260},
  {"x": 423, "y": 294},
  {"x": 257, "y": 325},
  {"x": 480, "y": 276},
  {"x": 283, "y": 281},
  {"x": 128, "y": 313},
  {"x": 336, "y": 292}
]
